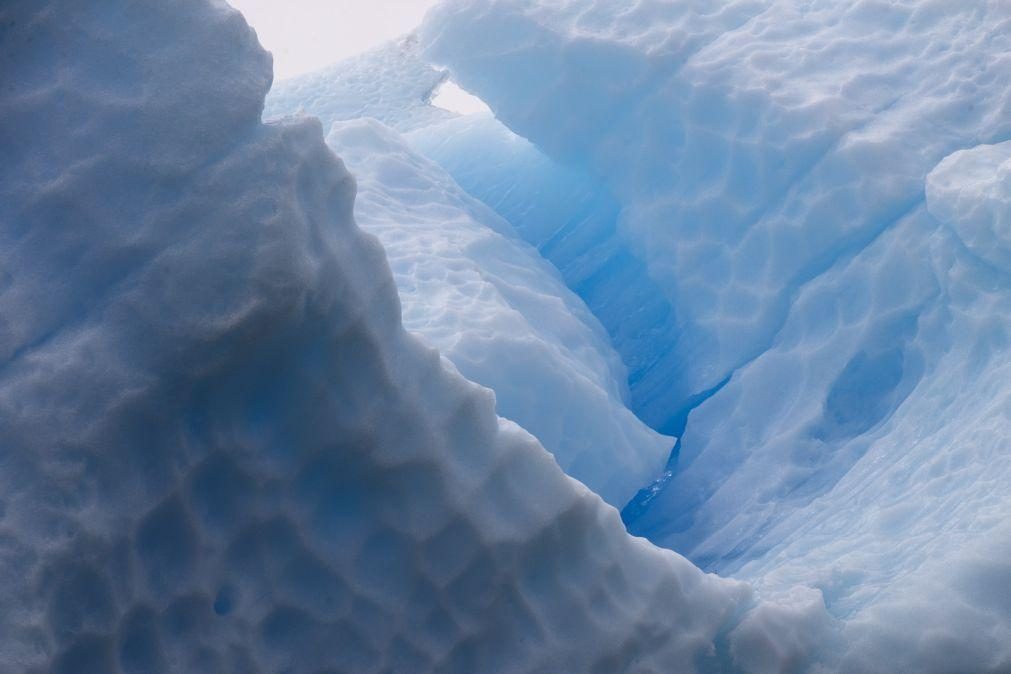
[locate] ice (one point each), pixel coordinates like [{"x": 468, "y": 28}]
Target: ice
[
  {"x": 971, "y": 191},
  {"x": 840, "y": 304},
  {"x": 487, "y": 301},
  {"x": 572, "y": 219},
  {"x": 500, "y": 313},
  {"x": 390, "y": 83},
  {"x": 751, "y": 146},
  {"x": 221, "y": 450}
]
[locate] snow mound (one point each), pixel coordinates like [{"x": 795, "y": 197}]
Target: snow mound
[
  {"x": 971, "y": 191},
  {"x": 222, "y": 452},
  {"x": 495, "y": 309}
]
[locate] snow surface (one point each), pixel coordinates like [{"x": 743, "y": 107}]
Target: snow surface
[{"x": 222, "y": 452}]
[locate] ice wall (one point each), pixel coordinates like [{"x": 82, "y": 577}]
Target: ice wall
[
  {"x": 753, "y": 144},
  {"x": 500, "y": 313},
  {"x": 848, "y": 343},
  {"x": 221, "y": 450},
  {"x": 468, "y": 284},
  {"x": 572, "y": 219}
]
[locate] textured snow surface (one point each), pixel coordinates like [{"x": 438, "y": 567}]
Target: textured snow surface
[
  {"x": 221, "y": 450},
  {"x": 389, "y": 83},
  {"x": 500, "y": 313},
  {"x": 840, "y": 319}
]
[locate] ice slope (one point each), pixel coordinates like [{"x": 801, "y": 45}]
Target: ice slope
[
  {"x": 500, "y": 313},
  {"x": 848, "y": 342},
  {"x": 221, "y": 450}
]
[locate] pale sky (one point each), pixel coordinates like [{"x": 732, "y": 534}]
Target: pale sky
[{"x": 305, "y": 35}]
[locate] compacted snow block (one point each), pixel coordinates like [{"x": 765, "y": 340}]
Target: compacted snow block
[{"x": 221, "y": 451}]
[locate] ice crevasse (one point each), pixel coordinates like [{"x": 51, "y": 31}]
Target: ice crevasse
[{"x": 818, "y": 190}]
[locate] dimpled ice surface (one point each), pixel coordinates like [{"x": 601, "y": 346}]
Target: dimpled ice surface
[
  {"x": 221, "y": 451},
  {"x": 779, "y": 229},
  {"x": 819, "y": 191}
]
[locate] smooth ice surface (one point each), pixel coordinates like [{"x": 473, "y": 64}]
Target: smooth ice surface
[
  {"x": 840, "y": 304},
  {"x": 221, "y": 450},
  {"x": 500, "y": 313}
]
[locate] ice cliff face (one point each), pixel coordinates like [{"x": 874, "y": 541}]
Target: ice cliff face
[
  {"x": 468, "y": 284},
  {"x": 840, "y": 317},
  {"x": 221, "y": 450}
]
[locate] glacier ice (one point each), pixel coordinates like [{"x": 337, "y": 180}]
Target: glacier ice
[
  {"x": 970, "y": 191},
  {"x": 222, "y": 452},
  {"x": 802, "y": 182},
  {"x": 468, "y": 286},
  {"x": 751, "y": 144},
  {"x": 500, "y": 313},
  {"x": 390, "y": 83}
]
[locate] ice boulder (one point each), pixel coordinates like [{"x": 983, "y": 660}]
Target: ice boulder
[
  {"x": 500, "y": 313},
  {"x": 221, "y": 450}
]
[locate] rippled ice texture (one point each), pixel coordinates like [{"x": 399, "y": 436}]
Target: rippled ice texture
[
  {"x": 843, "y": 347},
  {"x": 221, "y": 451}
]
